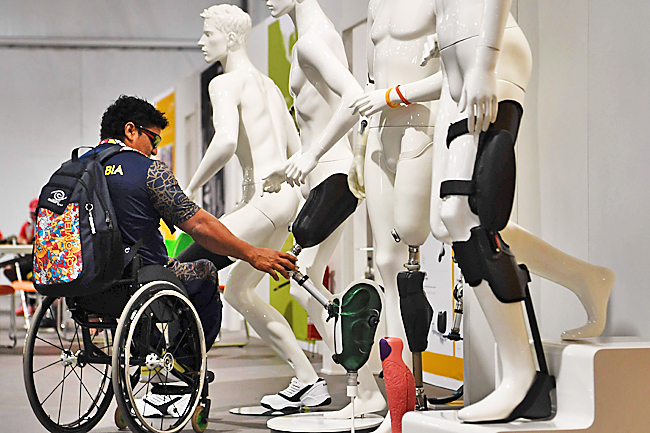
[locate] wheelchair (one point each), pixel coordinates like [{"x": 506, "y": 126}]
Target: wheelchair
[{"x": 139, "y": 337}]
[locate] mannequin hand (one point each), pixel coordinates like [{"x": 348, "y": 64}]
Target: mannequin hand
[
  {"x": 479, "y": 97},
  {"x": 431, "y": 49},
  {"x": 370, "y": 103},
  {"x": 273, "y": 182},
  {"x": 355, "y": 178},
  {"x": 271, "y": 262},
  {"x": 298, "y": 168}
]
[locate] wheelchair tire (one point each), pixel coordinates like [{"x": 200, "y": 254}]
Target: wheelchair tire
[
  {"x": 59, "y": 381},
  {"x": 159, "y": 359}
]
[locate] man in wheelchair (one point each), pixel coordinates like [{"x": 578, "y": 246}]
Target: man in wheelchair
[{"x": 144, "y": 191}]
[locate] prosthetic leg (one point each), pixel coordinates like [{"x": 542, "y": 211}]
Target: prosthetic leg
[
  {"x": 416, "y": 316},
  {"x": 486, "y": 258},
  {"x": 356, "y": 315}
]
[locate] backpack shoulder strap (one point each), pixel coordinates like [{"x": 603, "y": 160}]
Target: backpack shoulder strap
[{"x": 107, "y": 154}]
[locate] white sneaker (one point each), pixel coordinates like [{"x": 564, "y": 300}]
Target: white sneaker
[
  {"x": 157, "y": 405},
  {"x": 299, "y": 394}
]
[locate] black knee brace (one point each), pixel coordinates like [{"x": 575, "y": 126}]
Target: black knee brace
[
  {"x": 486, "y": 257},
  {"x": 329, "y": 204},
  {"x": 492, "y": 189}
]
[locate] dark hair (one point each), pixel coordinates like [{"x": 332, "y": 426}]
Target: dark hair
[{"x": 130, "y": 109}]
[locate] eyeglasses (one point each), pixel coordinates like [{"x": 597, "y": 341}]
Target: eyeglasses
[{"x": 153, "y": 137}]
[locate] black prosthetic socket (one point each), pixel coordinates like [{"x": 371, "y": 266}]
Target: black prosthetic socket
[
  {"x": 329, "y": 204},
  {"x": 485, "y": 256},
  {"x": 416, "y": 311}
]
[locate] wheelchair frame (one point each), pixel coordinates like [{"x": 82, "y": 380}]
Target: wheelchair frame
[{"x": 158, "y": 332}]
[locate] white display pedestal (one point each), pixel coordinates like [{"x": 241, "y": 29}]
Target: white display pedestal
[{"x": 603, "y": 386}]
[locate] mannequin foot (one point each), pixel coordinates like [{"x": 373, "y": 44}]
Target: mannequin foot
[
  {"x": 498, "y": 405},
  {"x": 594, "y": 297},
  {"x": 375, "y": 403}
]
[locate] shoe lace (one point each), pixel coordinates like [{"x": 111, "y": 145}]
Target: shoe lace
[{"x": 293, "y": 387}]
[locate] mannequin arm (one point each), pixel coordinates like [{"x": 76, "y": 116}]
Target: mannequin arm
[
  {"x": 314, "y": 53},
  {"x": 226, "y": 127},
  {"x": 479, "y": 87},
  {"x": 356, "y": 180},
  {"x": 427, "y": 89},
  {"x": 273, "y": 182}
]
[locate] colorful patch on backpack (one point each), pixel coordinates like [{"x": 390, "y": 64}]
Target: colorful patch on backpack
[{"x": 57, "y": 246}]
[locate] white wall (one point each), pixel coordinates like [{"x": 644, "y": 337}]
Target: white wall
[
  {"x": 52, "y": 99},
  {"x": 588, "y": 99}
]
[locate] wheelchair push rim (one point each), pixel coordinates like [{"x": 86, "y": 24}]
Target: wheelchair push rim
[
  {"x": 164, "y": 302},
  {"x": 68, "y": 381}
]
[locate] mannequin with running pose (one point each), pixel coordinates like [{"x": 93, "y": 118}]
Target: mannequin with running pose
[{"x": 252, "y": 123}]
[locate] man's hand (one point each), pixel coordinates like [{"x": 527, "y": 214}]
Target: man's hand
[{"x": 270, "y": 261}]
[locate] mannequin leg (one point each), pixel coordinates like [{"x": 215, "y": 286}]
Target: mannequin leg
[
  {"x": 592, "y": 284},
  {"x": 240, "y": 292},
  {"x": 389, "y": 255},
  {"x": 506, "y": 320},
  {"x": 508, "y": 326}
]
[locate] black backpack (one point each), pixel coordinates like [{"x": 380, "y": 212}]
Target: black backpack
[{"x": 78, "y": 246}]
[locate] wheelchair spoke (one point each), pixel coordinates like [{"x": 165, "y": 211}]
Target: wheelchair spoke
[
  {"x": 76, "y": 335},
  {"x": 81, "y": 383},
  {"x": 57, "y": 387},
  {"x": 49, "y": 365},
  {"x": 47, "y": 342},
  {"x": 103, "y": 373},
  {"x": 61, "y": 398},
  {"x": 178, "y": 343}
]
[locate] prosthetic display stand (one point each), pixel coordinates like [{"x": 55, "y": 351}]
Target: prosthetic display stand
[{"x": 356, "y": 314}]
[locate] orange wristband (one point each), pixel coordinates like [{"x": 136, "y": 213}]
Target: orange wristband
[
  {"x": 401, "y": 96},
  {"x": 390, "y": 104}
]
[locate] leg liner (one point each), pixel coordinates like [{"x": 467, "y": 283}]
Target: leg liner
[
  {"x": 416, "y": 311},
  {"x": 486, "y": 257}
]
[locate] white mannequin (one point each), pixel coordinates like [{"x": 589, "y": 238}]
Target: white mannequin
[
  {"x": 591, "y": 283},
  {"x": 251, "y": 122},
  {"x": 397, "y": 142},
  {"x": 323, "y": 88}
]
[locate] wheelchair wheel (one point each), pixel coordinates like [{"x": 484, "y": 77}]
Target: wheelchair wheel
[
  {"x": 68, "y": 381},
  {"x": 159, "y": 359}
]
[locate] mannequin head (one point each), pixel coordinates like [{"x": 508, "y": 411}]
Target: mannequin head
[
  {"x": 133, "y": 120},
  {"x": 225, "y": 28},
  {"x": 280, "y": 7}
]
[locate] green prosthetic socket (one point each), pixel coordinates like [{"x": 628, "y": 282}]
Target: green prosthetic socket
[{"x": 360, "y": 309}]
